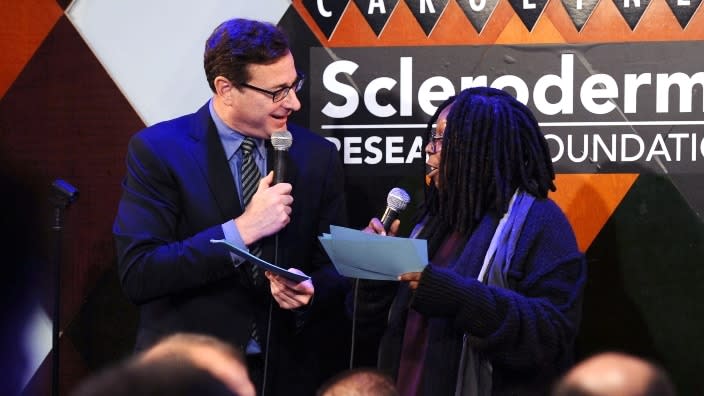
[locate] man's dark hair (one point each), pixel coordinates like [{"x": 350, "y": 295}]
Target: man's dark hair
[
  {"x": 359, "y": 382},
  {"x": 492, "y": 146},
  {"x": 237, "y": 43}
]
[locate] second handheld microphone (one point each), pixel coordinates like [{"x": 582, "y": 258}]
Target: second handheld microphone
[{"x": 396, "y": 201}]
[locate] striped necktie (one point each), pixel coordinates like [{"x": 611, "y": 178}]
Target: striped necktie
[
  {"x": 250, "y": 181},
  {"x": 249, "y": 174}
]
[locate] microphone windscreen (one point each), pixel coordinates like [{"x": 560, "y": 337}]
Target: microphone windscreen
[
  {"x": 281, "y": 140},
  {"x": 397, "y": 199}
]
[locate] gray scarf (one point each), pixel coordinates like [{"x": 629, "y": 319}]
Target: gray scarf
[{"x": 474, "y": 375}]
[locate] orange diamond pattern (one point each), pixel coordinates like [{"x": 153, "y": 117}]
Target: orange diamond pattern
[{"x": 23, "y": 26}]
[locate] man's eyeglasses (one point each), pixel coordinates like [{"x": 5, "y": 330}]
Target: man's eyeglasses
[
  {"x": 281, "y": 93},
  {"x": 435, "y": 142}
]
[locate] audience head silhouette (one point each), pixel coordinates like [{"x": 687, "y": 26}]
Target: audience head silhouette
[
  {"x": 206, "y": 352},
  {"x": 359, "y": 382},
  {"x": 612, "y": 373},
  {"x": 174, "y": 378}
]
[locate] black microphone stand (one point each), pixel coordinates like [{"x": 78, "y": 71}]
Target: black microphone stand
[{"x": 61, "y": 196}]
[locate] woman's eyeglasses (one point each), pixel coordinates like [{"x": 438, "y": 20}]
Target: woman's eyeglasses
[
  {"x": 435, "y": 142},
  {"x": 436, "y": 135}
]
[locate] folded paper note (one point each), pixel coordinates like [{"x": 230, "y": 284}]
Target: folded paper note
[
  {"x": 266, "y": 266},
  {"x": 358, "y": 254}
]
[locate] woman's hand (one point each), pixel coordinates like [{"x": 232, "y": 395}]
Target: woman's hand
[
  {"x": 412, "y": 278},
  {"x": 376, "y": 227}
]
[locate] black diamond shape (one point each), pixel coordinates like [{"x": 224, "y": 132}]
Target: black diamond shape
[
  {"x": 529, "y": 11},
  {"x": 632, "y": 10},
  {"x": 479, "y": 13},
  {"x": 376, "y": 13},
  {"x": 326, "y": 14},
  {"x": 684, "y": 12},
  {"x": 580, "y": 11},
  {"x": 427, "y": 12}
]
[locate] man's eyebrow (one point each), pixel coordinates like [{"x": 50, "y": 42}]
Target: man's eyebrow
[{"x": 286, "y": 85}]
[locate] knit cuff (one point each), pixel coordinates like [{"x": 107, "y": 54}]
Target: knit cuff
[{"x": 436, "y": 294}]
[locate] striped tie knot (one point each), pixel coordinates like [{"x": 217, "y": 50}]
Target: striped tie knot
[
  {"x": 247, "y": 145},
  {"x": 250, "y": 172}
]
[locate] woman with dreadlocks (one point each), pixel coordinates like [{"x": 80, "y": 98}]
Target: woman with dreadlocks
[{"x": 497, "y": 308}]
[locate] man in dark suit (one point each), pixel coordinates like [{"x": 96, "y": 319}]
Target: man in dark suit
[{"x": 183, "y": 188}]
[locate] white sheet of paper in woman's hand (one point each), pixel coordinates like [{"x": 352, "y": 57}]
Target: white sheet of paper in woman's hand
[{"x": 362, "y": 255}]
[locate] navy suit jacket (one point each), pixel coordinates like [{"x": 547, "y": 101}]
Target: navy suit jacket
[{"x": 177, "y": 192}]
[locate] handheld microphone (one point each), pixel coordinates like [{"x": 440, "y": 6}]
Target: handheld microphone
[
  {"x": 396, "y": 201},
  {"x": 281, "y": 141}
]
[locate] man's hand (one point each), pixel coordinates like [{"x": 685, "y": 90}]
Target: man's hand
[
  {"x": 376, "y": 227},
  {"x": 290, "y": 294},
  {"x": 268, "y": 212}
]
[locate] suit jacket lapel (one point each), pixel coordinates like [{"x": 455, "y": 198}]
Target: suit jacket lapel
[{"x": 208, "y": 152}]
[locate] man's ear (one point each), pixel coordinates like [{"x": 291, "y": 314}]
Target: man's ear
[{"x": 223, "y": 87}]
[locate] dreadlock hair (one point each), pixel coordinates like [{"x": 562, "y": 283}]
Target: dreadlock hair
[
  {"x": 431, "y": 192},
  {"x": 434, "y": 230},
  {"x": 492, "y": 146}
]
